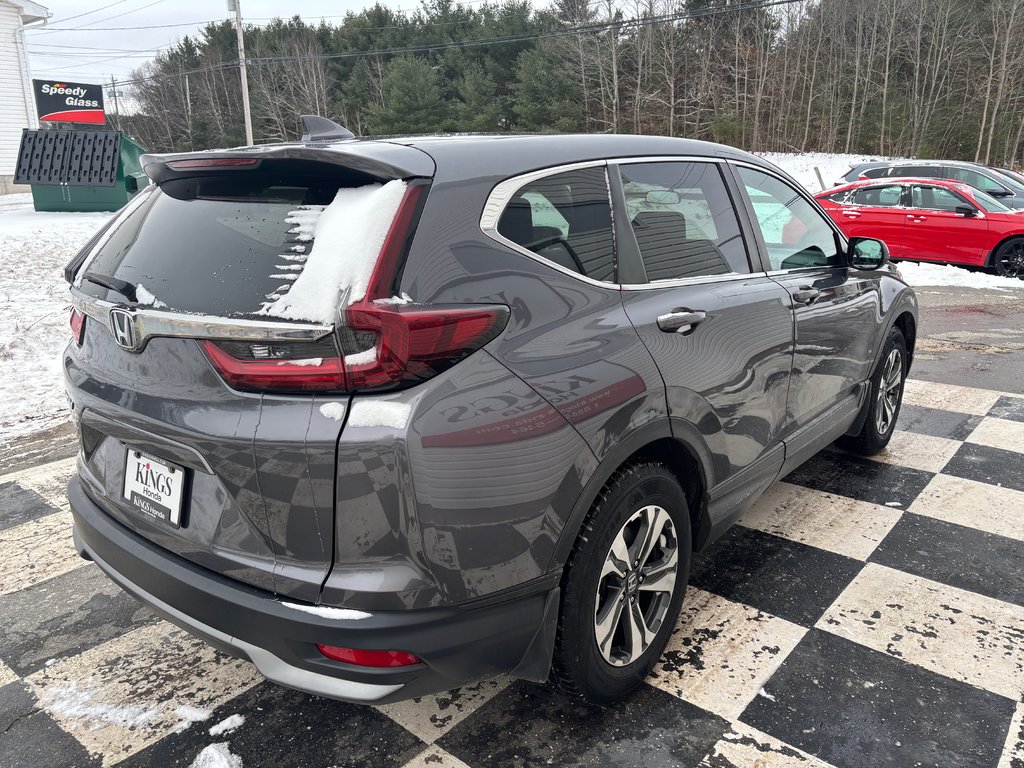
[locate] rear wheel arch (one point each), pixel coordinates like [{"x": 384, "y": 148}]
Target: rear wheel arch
[
  {"x": 907, "y": 325},
  {"x": 653, "y": 443}
]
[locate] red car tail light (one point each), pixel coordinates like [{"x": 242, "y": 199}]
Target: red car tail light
[
  {"x": 213, "y": 162},
  {"x": 77, "y": 325},
  {"x": 369, "y": 658},
  {"x": 278, "y": 367}
]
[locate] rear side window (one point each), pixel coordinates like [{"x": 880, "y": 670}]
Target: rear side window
[
  {"x": 878, "y": 197},
  {"x": 567, "y": 219},
  {"x": 920, "y": 171},
  {"x": 216, "y": 245},
  {"x": 976, "y": 180},
  {"x": 876, "y": 173},
  {"x": 684, "y": 220}
]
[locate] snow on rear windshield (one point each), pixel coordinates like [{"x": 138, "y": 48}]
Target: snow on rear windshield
[
  {"x": 245, "y": 246},
  {"x": 347, "y": 238}
]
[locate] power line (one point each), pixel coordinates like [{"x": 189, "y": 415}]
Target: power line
[
  {"x": 118, "y": 29},
  {"x": 88, "y": 13},
  {"x": 52, "y": 31}
]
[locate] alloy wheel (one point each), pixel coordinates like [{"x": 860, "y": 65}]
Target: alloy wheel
[
  {"x": 889, "y": 392},
  {"x": 1010, "y": 261},
  {"x": 636, "y": 585}
]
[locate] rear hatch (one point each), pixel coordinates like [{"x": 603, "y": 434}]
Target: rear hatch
[{"x": 208, "y": 364}]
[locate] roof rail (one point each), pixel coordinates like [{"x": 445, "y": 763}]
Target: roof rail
[{"x": 316, "y": 128}]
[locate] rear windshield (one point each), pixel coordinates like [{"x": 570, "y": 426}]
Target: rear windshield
[{"x": 215, "y": 245}]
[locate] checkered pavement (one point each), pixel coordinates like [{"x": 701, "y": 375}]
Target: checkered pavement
[{"x": 864, "y": 613}]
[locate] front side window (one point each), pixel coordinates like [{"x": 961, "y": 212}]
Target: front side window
[
  {"x": 684, "y": 220},
  {"x": 566, "y": 218},
  {"x": 936, "y": 199},
  {"x": 878, "y": 197},
  {"x": 796, "y": 234}
]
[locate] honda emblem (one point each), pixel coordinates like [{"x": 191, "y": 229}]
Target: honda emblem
[{"x": 122, "y": 324}]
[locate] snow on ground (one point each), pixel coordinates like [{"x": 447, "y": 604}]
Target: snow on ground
[
  {"x": 801, "y": 166},
  {"x": 217, "y": 756},
  {"x": 921, "y": 274},
  {"x": 34, "y": 310}
]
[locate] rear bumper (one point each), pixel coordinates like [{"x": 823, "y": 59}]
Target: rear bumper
[{"x": 457, "y": 646}]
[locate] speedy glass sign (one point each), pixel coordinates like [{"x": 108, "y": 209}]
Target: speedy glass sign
[{"x": 58, "y": 101}]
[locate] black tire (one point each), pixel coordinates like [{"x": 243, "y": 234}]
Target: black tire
[
  {"x": 580, "y": 667},
  {"x": 1008, "y": 258},
  {"x": 880, "y": 421}
]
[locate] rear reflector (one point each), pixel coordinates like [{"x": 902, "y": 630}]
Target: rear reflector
[
  {"x": 369, "y": 658},
  {"x": 77, "y": 325}
]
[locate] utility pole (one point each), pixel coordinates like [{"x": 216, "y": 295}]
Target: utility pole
[
  {"x": 236, "y": 6},
  {"x": 117, "y": 108}
]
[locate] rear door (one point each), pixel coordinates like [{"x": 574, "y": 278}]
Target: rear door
[
  {"x": 836, "y": 309},
  {"x": 718, "y": 328},
  {"x": 875, "y": 211},
  {"x": 938, "y": 231}
]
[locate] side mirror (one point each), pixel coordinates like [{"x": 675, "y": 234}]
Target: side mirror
[
  {"x": 966, "y": 211},
  {"x": 868, "y": 253}
]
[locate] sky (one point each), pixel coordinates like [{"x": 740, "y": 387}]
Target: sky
[{"x": 80, "y": 43}]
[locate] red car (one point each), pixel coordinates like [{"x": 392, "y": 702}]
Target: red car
[{"x": 931, "y": 220}]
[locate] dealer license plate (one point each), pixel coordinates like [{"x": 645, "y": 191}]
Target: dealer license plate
[{"x": 153, "y": 487}]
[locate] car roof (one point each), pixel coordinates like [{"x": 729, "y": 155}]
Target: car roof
[
  {"x": 959, "y": 186},
  {"x": 509, "y": 155}
]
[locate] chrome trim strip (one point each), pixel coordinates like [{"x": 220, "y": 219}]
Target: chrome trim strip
[
  {"x": 269, "y": 665},
  {"x": 151, "y": 323},
  {"x": 698, "y": 280}
]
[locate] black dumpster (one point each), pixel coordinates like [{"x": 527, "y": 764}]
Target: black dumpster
[{"x": 74, "y": 170}]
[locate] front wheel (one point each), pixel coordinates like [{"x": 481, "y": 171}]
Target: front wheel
[
  {"x": 624, "y": 585},
  {"x": 1009, "y": 258},
  {"x": 884, "y": 399}
]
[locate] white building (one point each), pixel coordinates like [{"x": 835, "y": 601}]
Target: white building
[{"x": 17, "y": 108}]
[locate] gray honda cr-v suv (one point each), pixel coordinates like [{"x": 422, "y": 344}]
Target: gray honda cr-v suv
[{"x": 386, "y": 417}]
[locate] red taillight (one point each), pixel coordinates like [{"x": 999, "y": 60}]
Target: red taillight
[
  {"x": 213, "y": 162},
  {"x": 286, "y": 367},
  {"x": 413, "y": 344},
  {"x": 77, "y": 325},
  {"x": 368, "y": 658}
]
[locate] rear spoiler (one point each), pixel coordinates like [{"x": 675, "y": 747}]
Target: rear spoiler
[{"x": 376, "y": 160}]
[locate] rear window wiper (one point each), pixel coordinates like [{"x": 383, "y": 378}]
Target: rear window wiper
[{"x": 112, "y": 283}]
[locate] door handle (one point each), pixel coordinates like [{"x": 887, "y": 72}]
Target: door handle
[
  {"x": 806, "y": 295},
  {"x": 680, "y": 321},
  {"x": 912, "y": 217}
]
